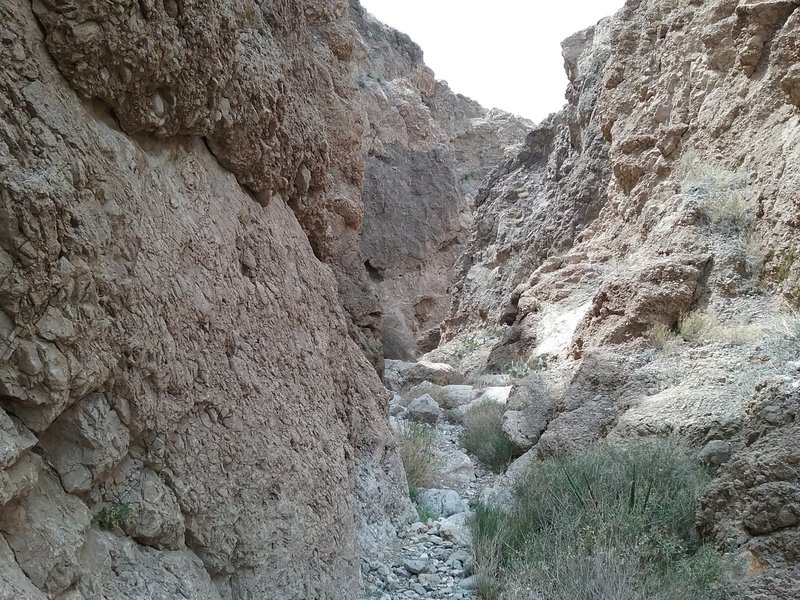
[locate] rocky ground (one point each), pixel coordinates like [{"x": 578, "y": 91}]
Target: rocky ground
[{"x": 432, "y": 559}]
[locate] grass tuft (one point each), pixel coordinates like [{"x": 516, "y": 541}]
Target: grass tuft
[
  {"x": 606, "y": 523},
  {"x": 483, "y": 435},
  {"x": 415, "y": 443}
]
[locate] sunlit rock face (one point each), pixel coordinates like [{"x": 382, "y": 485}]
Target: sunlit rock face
[{"x": 640, "y": 255}]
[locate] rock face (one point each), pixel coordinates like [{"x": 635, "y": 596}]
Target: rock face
[
  {"x": 173, "y": 350},
  {"x": 426, "y": 151},
  {"x": 641, "y": 251}
]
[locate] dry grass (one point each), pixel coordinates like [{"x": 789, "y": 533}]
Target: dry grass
[
  {"x": 663, "y": 337},
  {"x": 415, "y": 444},
  {"x": 700, "y": 327},
  {"x": 727, "y": 201},
  {"x": 697, "y": 326},
  {"x": 483, "y": 435}
]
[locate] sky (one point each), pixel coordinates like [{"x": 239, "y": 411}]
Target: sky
[{"x": 503, "y": 53}]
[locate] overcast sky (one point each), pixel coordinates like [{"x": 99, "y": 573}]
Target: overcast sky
[{"x": 502, "y": 53}]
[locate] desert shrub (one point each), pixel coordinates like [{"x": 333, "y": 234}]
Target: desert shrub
[
  {"x": 112, "y": 516},
  {"x": 415, "y": 443},
  {"x": 522, "y": 368},
  {"x": 662, "y": 337},
  {"x": 697, "y": 326},
  {"x": 606, "y": 523},
  {"x": 727, "y": 202},
  {"x": 483, "y": 435},
  {"x": 517, "y": 369}
]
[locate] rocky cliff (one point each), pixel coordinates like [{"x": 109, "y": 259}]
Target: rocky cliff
[
  {"x": 635, "y": 264},
  {"x": 426, "y": 151},
  {"x": 185, "y": 256}
]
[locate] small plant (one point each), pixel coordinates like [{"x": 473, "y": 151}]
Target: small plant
[
  {"x": 728, "y": 204},
  {"x": 518, "y": 369},
  {"x": 112, "y": 516},
  {"x": 467, "y": 176},
  {"x": 471, "y": 343},
  {"x": 415, "y": 443},
  {"x": 483, "y": 435},
  {"x": 662, "y": 337},
  {"x": 424, "y": 513},
  {"x": 785, "y": 266}
]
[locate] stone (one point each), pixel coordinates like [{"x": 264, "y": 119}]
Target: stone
[
  {"x": 416, "y": 567},
  {"x": 456, "y": 529},
  {"x": 517, "y": 430},
  {"x": 442, "y": 503},
  {"x": 46, "y": 530},
  {"x": 716, "y": 453},
  {"x": 469, "y": 583},
  {"x": 424, "y": 410},
  {"x": 456, "y": 467},
  {"x": 85, "y": 442},
  {"x": 402, "y": 375}
]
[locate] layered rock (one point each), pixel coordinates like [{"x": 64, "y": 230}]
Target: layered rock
[{"x": 176, "y": 365}]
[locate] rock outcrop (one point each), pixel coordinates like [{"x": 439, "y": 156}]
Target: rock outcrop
[
  {"x": 640, "y": 254},
  {"x": 176, "y": 365},
  {"x": 426, "y": 151}
]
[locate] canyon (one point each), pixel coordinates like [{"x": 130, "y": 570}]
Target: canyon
[{"x": 227, "y": 228}]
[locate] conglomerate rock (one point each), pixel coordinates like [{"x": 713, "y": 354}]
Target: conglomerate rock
[{"x": 169, "y": 338}]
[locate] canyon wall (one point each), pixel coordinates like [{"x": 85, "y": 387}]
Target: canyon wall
[
  {"x": 635, "y": 265},
  {"x": 426, "y": 151},
  {"x": 195, "y": 198},
  {"x": 175, "y": 361}
]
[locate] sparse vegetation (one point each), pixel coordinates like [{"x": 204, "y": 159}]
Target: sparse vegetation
[
  {"x": 415, "y": 443},
  {"x": 424, "y": 513},
  {"x": 606, "y": 523},
  {"x": 785, "y": 267},
  {"x": 112, "y": 516},
  {"x": 727, "y": 202},
  {"x": 471, "y": 343},
  {"x": 697, "y": 326},
  {"x": 483, "y": 435},
  {"x": 662, "y": 337},
  {"x": 518, "y": 369},
  {"x": 522, "y": 368}
]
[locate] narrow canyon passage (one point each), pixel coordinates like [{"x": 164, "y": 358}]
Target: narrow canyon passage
[{"x": 283, "y": 316}]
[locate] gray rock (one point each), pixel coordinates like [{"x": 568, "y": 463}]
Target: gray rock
[
  {"x": 516, "y": 429},
  {"x": 451, "y": 396},
  {"x": 716, "y": 453},
  {"x": 85, "y": 442},
  {"x": 415, "y": 567},
  {"x": 442, "y": 503},
  {"x": 469, "y": 583},
  {"x": 424, "y": 410},
  {"x": 456, "y": 529}
]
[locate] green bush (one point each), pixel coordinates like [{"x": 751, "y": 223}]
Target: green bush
[
  {"x": 483, "y": 435},
  {"x": 112, "y": 516},
  {"x": 603, "y": 524},
  {"x": 415, "y": 443}
]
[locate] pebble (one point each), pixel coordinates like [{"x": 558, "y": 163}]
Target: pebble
[{"x": 433, "y": 559}]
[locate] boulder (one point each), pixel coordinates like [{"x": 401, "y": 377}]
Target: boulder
[
  {"x": 517, "y": 430},
  {"x": 424, "y": 410},
  {"x": 400, "y": 375},
  {"x": 442, "y": 503}
]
